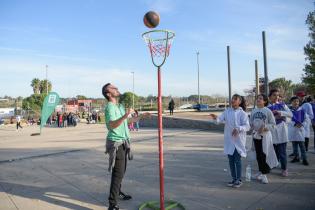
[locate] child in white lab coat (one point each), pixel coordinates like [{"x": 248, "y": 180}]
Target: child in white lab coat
[
  {"x": 297, "y": 131},
  {"x": 236, "y": 125},
  {"x": 280, "y": 132}
]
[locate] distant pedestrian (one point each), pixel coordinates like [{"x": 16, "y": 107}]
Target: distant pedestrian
[
  {"x": 18, "y": 122},
  {"x": 171, "y": 106},
  {"x": 136, "y": 114},
  {"x": 60, "y": 121}
]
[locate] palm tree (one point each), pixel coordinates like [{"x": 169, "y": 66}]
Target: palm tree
[
  {"x": 43, "y": 86},
  {"x": 35, "y": 84}
]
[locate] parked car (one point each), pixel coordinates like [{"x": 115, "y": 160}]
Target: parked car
[{"x": 201, "y": 107}]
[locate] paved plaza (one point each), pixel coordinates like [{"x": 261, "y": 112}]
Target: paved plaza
[{"x": 67, "y": 169}]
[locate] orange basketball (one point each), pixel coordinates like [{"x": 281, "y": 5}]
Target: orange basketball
[{"x": 151, "y": 19}]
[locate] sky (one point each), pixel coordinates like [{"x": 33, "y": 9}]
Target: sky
[{"x": 87, "y": 43}]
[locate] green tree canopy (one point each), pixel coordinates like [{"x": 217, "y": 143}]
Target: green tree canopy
[
  {"x": 309, "y": 51},
  {"x": 81, "y": 97},
  {"x": 34, "y": 102},
  {"x": 126, "y": 99},
  {"x": 285, "y": 87}
]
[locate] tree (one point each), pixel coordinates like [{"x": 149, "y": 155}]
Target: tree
[
  {"x": 299, "y": 87},
  {"x": 81, "y": 97},
  {"x": 33, "y": 102},
  {"x": 126, "y": 99},
  {"x": 285, "y": 87},
  {"x": 309, "y": 50},
  {"x": 43, "y": 86},
  {"x": 35, "y": 84}
]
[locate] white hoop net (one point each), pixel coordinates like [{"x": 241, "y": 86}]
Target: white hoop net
[{"x": 159, "y": 43}]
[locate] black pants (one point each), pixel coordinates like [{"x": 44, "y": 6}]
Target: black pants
[
  {"x": 314, "y": 134},
  {"x": 171, "y": 111},
  {"x": 261, "y": 157},
  {"x": 118, "y": 173},
  {"x": 18, "y": 125}
]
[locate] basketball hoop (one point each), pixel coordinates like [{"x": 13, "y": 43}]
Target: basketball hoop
[{"x": 159, "y": 43}]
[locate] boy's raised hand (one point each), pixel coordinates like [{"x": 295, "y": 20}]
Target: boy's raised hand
[{"x": 213, "y": 116}]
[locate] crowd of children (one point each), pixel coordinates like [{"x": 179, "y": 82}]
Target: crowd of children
[{"x": 273, "y": 125}]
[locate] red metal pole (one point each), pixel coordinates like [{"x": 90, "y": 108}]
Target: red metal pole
[{"x": 160, "y": 140}]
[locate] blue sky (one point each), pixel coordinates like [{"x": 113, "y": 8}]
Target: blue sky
[{"x": 87, "y": 43}]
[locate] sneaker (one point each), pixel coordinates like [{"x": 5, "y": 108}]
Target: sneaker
[
  {"x": 305, "y": 162},
  {"x": 295, "y": 160},
  {"x": 237, "y": 184},
  {"x": 285, "y": 173},
  {"x": 113, "y": 207},
  {"x": 258, "y": 176},
  {"x": 264, "y": 179},
  {"x": 124, "y": 196},
  {"x": 230, "y": 184}
]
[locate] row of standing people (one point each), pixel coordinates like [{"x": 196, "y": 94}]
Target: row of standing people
[
  {"x": 273, "y": 124},
  {"x": 62, "y": 120}
]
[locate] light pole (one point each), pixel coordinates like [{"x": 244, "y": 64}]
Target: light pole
[
  {"x": 266, "y": 84},
  {"x": 198, "y": 76},
  {"x": 229, "y": 74},
  {"x": 47, "y": 79},
  {"x": 133, "y": 89}
]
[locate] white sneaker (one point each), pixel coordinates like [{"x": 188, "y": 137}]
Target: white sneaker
[
  {"x": 264, "y": 179},
  {"x": 258, "y": 176}
]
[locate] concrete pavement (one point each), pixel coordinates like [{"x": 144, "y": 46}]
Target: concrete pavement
[{"x": 67, "y": 169}]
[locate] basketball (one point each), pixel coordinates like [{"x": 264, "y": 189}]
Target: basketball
[{"x": 151, "y": 19}]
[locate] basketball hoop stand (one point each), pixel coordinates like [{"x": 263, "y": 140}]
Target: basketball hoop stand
[{"x": 159, "y": 43}]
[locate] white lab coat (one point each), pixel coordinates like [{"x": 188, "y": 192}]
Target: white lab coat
[
  {"x": 280, "y": 131},
  {"x": 295, "y": 133},
  {"x": 307, "y": 107},
  {"x": 234, "y": 118}
]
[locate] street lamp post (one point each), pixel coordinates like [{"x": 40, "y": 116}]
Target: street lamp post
[
  {"x": 47, "y": 79},
  {"x": 198, "y": 77},
  {"x": 133, "y": 89},
  {"x": 266, "y": 84}
]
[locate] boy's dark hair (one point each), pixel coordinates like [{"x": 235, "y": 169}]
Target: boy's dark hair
[
  {"x": 265, "y": 98},
  {"x": 243, "y": 101},
  {"x": 273, "y": 91},
  {"x": 104, "y": 91},
  {"x": 294, "y": 98},
  {"x": 308, "y": 99}
]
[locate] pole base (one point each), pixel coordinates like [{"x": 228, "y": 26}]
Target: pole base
[{"x": 155, "y": 205}]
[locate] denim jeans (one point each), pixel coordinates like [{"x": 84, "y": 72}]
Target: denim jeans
[
  {"x": 281, "y": 152},
  {"x": 235, "y": 165},
  {"x": 300, "y": 144}
]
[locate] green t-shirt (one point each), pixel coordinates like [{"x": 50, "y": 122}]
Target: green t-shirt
[{"x": 114, "y": 112}]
